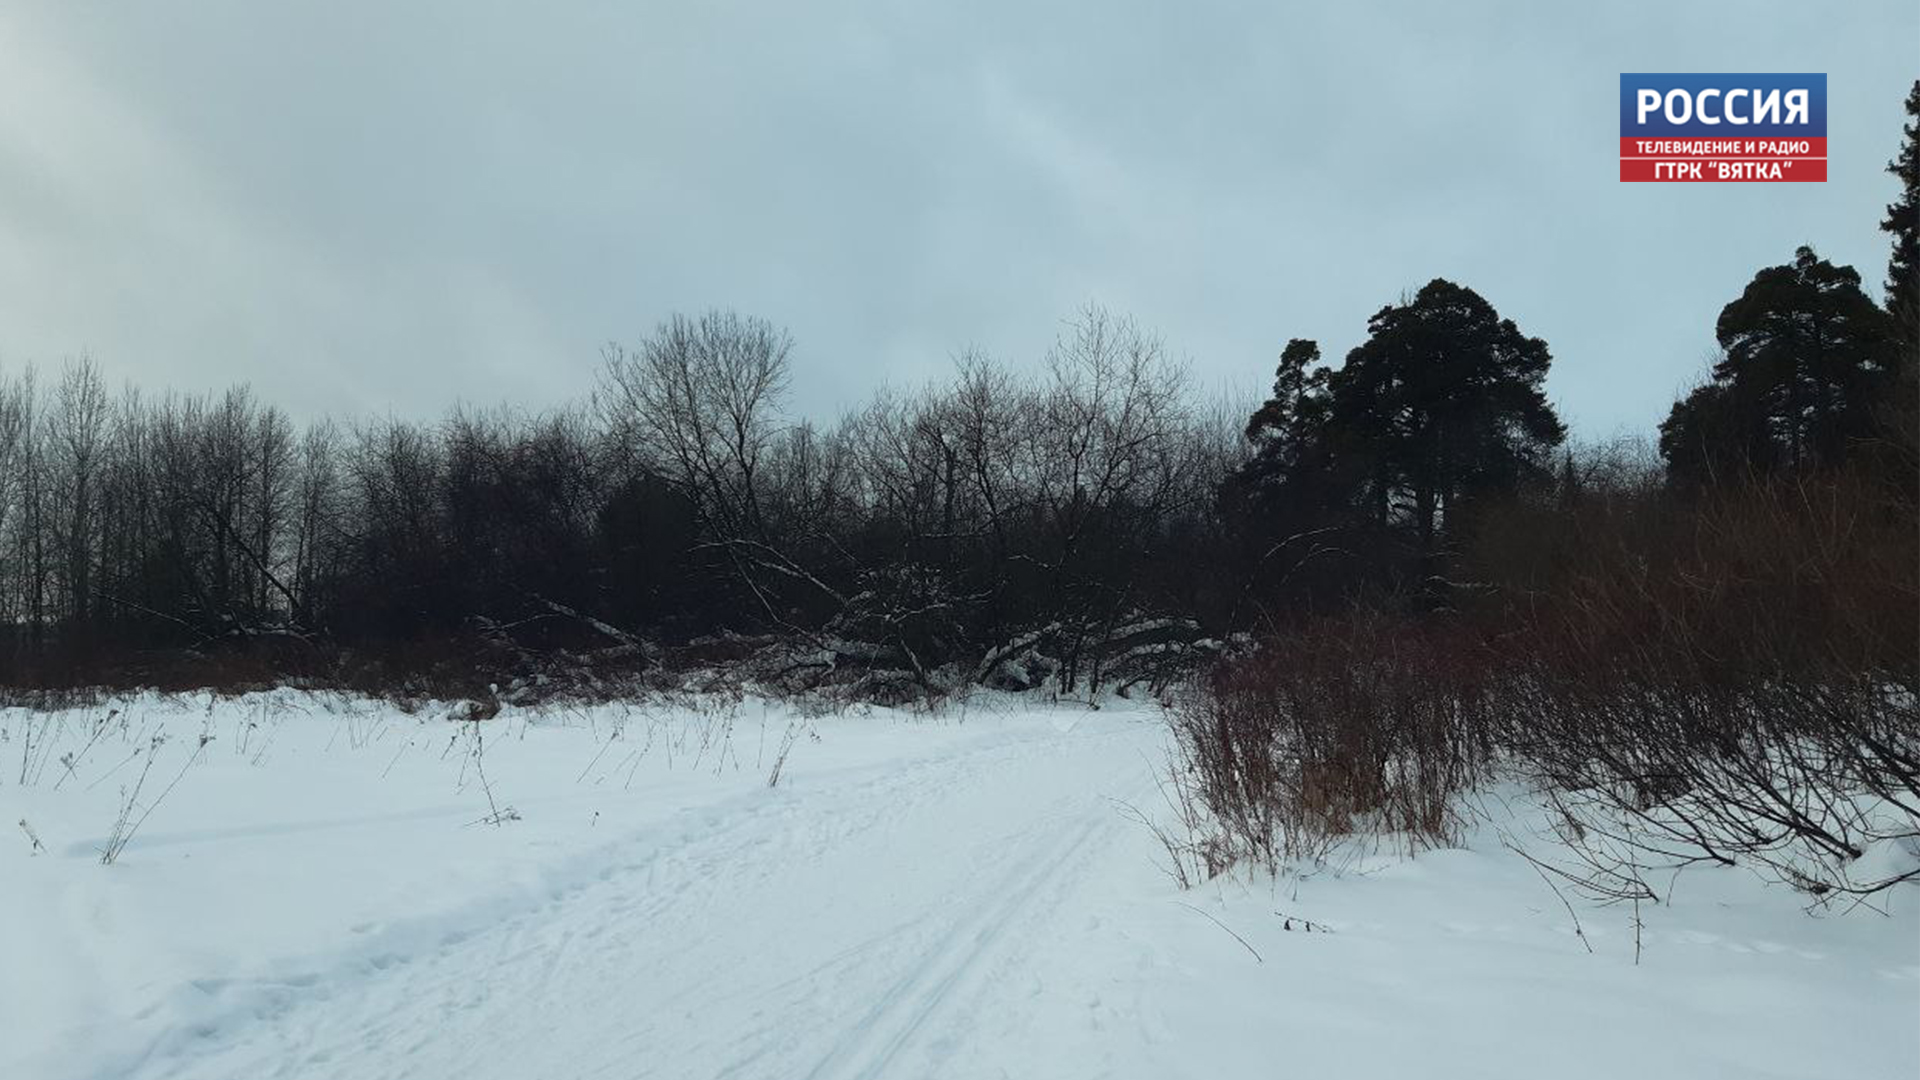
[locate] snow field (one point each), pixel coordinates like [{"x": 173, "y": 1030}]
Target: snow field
[{"x": 321, "y": 894}]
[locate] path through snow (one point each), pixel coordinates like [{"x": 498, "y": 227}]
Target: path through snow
[
  {"x": 917, "y": 898},
  {"x": 844, "y": 926}
]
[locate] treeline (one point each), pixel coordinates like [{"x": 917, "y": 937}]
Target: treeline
[
  {"x": 1089, "y": 524},
  {"x": 969, "y": 531},
  {"x": 1086, "y": 523}
]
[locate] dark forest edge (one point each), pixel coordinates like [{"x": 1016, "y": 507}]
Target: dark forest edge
[
  {"x": 1394, "y": 572},
  {"x": 1713, "y": 659}
]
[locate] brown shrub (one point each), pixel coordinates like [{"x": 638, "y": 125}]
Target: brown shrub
[
  {"x": 1728, "y": 679},
  {"x": 1721, "y": 679},
  {"x": 1357, "y": 723}
]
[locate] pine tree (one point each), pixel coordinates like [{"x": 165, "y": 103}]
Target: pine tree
[
  {"x": 1903, "y": 221},
  {"x": 1286, "y": 425},
  {"x": 1897, "y": 454},
  {"x": 1807, "y": 362},
  {"x": 1278, "y": 490},
  {"x": 1442, "y": 404},
  {"x": 1713, "y": 435}
]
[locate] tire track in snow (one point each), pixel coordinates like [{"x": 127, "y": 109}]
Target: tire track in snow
[
  {"x": 649, "y": 912},
  {"x": 908, "y": 1005},
  {"x": 671, "y": 849}
]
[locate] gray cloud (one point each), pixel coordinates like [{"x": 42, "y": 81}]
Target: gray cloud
[{"x": 372, "y": 207}]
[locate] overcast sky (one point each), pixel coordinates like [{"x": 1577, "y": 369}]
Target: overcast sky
[{"x": 377, "y": 207}]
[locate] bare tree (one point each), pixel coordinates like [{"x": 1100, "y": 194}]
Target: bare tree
[
  {"x": 16, "y": 456},
  {"x": 697, "y": 405},
  {"x": 78, "y": 436},
  {"x": 317, "y": 506}
]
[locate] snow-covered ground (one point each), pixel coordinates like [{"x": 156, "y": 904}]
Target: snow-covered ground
[{"x": 320, "y": 894}]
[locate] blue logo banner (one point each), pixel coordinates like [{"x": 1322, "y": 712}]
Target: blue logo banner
[{"x": 1756, "y": 106}]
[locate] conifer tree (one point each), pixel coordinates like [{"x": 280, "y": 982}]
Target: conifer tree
[
  {"x": 1903, "y": 221},
  {"x": 1806, "y": 364},
  {"x": 1441, "y": 405},
  {"x": 1286, "y": 428}
]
